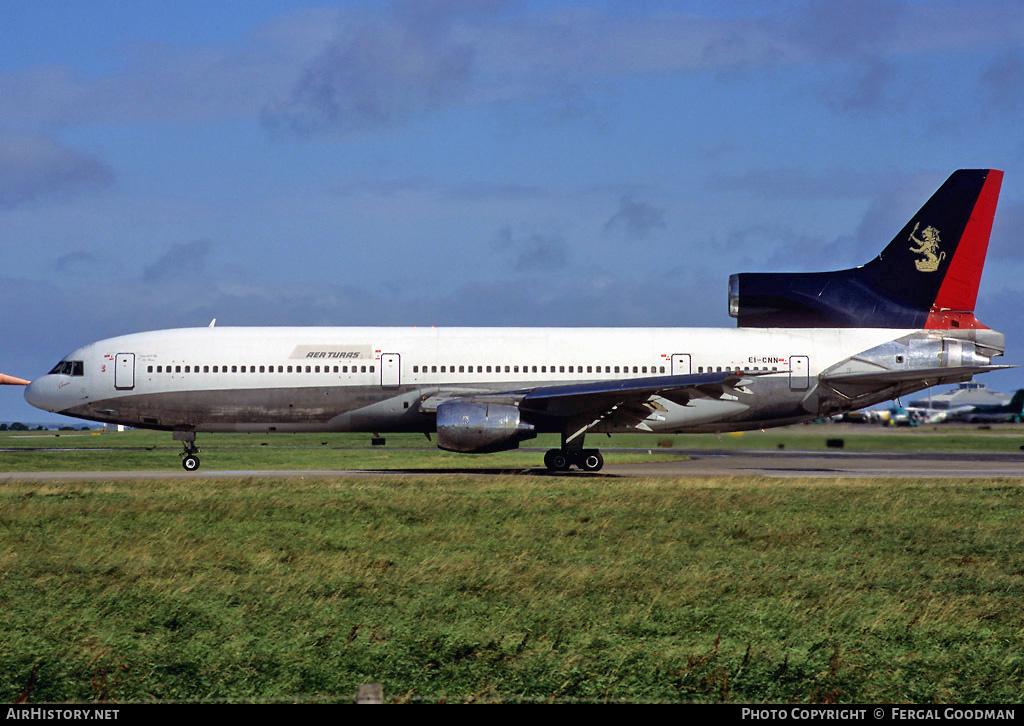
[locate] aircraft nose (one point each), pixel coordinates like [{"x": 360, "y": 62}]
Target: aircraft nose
[{"x": 42, "y": 393}]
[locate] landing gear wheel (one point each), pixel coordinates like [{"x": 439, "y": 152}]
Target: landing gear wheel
[
  {"x": 590, "y": 460},
  {"x": 189, "y": 460},
  {"x": 557, "y": 460}
]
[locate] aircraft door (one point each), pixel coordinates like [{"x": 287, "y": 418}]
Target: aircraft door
[
  {"x": 799, "y": 372},
  {"x": 390, "y": 369},
  {"x": 124, "y": 371},
  {"x": 680, "y": 364}
]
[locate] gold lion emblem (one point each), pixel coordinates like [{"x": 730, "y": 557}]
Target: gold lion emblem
[{"x": 927, "y": 245}]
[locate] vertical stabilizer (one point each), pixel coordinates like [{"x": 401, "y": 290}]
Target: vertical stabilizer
[{"x": 927, "y": 277}]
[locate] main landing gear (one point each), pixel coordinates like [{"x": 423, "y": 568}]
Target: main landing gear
[
  {"x": 582, "y": 459},
  {"x": 189, "y": 460}
]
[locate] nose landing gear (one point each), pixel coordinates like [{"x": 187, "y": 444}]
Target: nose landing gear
[{"x": 189, "y": 460}]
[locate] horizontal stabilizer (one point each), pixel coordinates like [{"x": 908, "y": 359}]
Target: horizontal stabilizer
[{"x": 887, "y": 377}]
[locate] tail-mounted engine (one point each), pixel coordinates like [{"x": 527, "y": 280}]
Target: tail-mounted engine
[{"x": 913, "y": 362}]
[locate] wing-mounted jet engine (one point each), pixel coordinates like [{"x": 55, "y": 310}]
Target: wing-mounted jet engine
[{"x": 479, "y": 428}]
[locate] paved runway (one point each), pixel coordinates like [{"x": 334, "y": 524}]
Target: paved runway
[
  {"x": 702, "y": 463},
  {"x": 904, "y": 464}
]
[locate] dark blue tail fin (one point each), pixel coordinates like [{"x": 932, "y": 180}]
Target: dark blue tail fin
[{"x": 927, "y": 277}]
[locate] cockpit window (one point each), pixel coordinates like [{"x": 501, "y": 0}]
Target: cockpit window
[{"x": 69, "y": 368}]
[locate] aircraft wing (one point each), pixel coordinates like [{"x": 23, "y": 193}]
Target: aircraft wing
[
  {"x": 580, "y": 398},
  {"x": 576, "y": 398},
  {"x": 628, "y": 401}
]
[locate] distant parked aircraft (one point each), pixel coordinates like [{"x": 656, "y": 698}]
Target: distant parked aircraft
[{"x": 1012, "y": 412}]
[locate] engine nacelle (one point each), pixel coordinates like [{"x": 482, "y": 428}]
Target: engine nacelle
[{"x": 480, "y": 428}]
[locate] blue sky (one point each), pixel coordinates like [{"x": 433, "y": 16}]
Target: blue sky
[{"x": 479, "y": 163}]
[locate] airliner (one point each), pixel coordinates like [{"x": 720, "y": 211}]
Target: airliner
[{"x": 806, "y": 346}]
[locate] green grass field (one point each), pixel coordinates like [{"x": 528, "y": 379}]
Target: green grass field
[
  {"x": 154, "y": 450},
  {"x": 454, "y": 587}
]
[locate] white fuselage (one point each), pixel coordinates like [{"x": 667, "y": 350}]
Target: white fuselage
[{"x": 375, "y": 379}]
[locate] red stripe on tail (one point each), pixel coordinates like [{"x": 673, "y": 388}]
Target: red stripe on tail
[{"x": 954, "y": 303}]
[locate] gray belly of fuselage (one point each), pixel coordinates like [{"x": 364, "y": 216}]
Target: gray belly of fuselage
[{"x": 396, "y": 409}]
